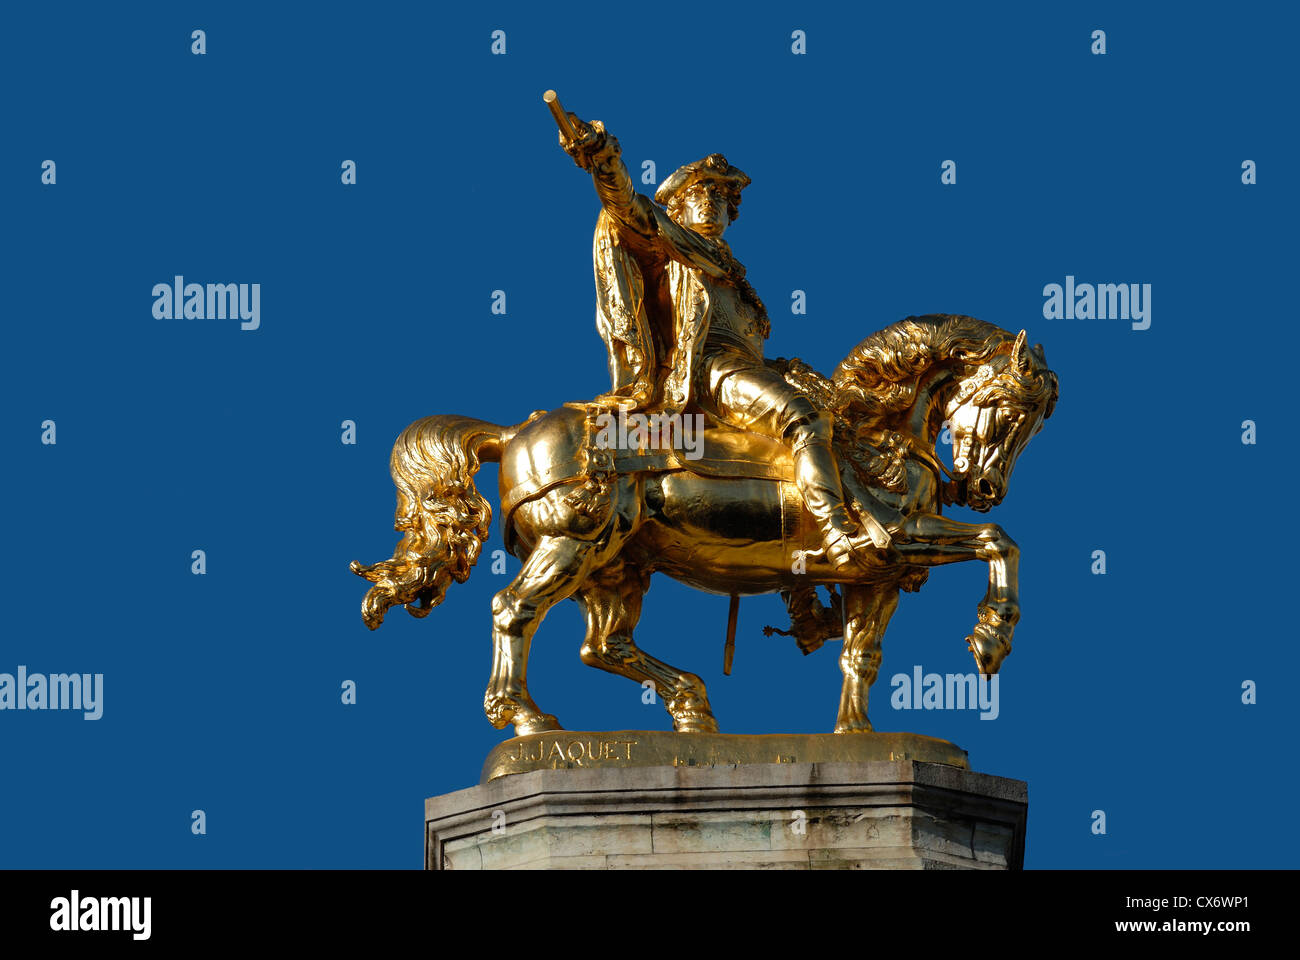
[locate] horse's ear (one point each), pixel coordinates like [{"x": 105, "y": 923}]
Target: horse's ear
[{"x": 1019, "y": 354}]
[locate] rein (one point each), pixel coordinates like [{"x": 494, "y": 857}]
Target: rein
[{"x": 928, "y": 457}]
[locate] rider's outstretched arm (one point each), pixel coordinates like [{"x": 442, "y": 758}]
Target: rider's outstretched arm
[{"x": 636, "y": 213}]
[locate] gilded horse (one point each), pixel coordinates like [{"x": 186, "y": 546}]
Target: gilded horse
[{"x": 593, "y": 524}]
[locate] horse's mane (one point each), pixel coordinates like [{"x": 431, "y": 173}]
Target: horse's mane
[{"x": 879, "y": 376}]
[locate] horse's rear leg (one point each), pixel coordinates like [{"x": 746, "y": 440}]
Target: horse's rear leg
[
  {"x": 611, "y": 602},
  {"x": 866, "y": 615},
  {"x": 551, "y": 573}
]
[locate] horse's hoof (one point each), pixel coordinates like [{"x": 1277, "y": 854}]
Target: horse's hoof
[
  {"x": 540, "y": 724},
  {"x": 499, "y": 710},
  {"x": 989, "y": 652},
  {"x": 857, "y": 726},
  {"x": 696, "y": 724}
]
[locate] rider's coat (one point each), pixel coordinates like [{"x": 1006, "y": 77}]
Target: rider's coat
[{"x": 661, "y": 287}]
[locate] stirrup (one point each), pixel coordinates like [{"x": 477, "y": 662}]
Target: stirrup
[
  {"x": 847, "y": 550},
  {"x": 840, "y": 552}
]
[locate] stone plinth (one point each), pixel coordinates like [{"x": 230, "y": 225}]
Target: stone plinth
[{"x": 880, "y": 814}]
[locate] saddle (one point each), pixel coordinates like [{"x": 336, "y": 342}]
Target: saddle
[
  {"x": 700, "y": 443},
  {"x": 596, "y": 442},
  {"x": 573, "y": 438}
]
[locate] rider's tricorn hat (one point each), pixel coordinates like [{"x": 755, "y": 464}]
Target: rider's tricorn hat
[{"x": 713, "y": 167}]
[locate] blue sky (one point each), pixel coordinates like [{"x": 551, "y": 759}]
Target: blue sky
[{"x": 1123, "y": 692}]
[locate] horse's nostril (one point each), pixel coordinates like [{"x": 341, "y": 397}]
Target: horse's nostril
[{"x": 985, "y": 488}]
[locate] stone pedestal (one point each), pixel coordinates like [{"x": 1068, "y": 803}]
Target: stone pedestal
[{"x": 878, "y": 814}]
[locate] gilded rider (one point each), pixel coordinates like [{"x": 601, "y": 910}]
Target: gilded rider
[{"x": 667, "y": 276}]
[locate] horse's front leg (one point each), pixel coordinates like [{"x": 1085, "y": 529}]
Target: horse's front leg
[
  {"x": 866, "y": 615},
  {"x": 936, "y": 540}
]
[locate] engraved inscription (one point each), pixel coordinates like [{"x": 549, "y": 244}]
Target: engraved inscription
[{"x": 559, "y": 752}]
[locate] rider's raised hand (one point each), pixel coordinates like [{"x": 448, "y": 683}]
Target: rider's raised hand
[{"x": 591, "y": 139}]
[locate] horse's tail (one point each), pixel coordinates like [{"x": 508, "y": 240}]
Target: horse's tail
[{"x": 442, "y": 517}]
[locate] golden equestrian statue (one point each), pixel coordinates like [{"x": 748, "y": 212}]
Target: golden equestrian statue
[{"x": 727, "y": 471}]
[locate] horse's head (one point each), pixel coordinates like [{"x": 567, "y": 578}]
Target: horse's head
[
  {"x": 996, "y": 407},
  {"x": 993, "y": 390}
]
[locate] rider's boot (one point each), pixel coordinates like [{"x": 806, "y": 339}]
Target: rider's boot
[
  {"x": 633, "y": 395},
  {"x": 818, "y": 480}
]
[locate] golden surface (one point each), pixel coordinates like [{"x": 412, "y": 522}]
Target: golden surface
[
  {"x": 801, "y": 480},
  {"x": 574, "y": 750}
]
